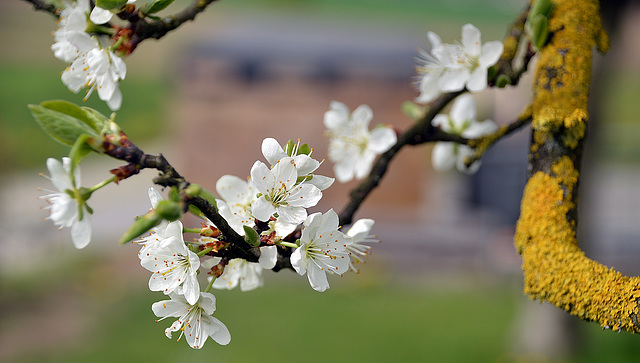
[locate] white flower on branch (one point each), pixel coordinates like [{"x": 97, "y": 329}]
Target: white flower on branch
[
  {"x": 451, "y": 67},
  {"x": 235, "y": 206},
  {"x": 359, "y": 233},
  {"x": 195, "y": 320},
  {"x": 96, "y": 68},
  {"x": 172, "y": 265},
  {"x": 280, "y": 192},
  {"x": 66, "y": 205},
  {"x": 462, "y": 121},
  {"x": 305, "y": 164},
  {"x": 73, "y": 20},
  {"x": 247, "y": 274},
  {"x": 322, "y": 249},
  {"x": 352, "y": 147}
]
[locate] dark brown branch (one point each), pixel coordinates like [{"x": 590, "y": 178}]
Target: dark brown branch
[
  {"x": 44, "y": 6},
  {"x": 423, "y": 131},
  {"x": 159, "y": 28},
  {"x": 169, "y": 177},
  {"x": 482, "y": 144}
]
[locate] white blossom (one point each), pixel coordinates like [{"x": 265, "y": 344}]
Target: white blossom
[
  {"x": 452, "y": 67},
  {"x": 73, "y": 20},
  {"x": 322, "y": 249},
  {"x": 359, "y": 234},
  {"x": 430, "y": 67},
  {"x": 97, "y": 68},
  {"x": 101, "y": 16},
  {"x": 247, "y": 274},
  {"x": 195, "y": 320},
  {"x": 305, "y": 164},
  {"x": 467, "y": 63},
  {"x": 461, "y": 121},
  {"x": 352, "y": 147},
  {"x": 280, "y": 194},
  {"x": 66, "y": 209},
  {"x": 172, "y": 265}
]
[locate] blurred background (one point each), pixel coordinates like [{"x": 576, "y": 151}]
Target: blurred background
[{"x": 444, "y": 285}]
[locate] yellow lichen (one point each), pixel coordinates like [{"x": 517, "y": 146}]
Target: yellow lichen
[{"x": 555, "y": 269}]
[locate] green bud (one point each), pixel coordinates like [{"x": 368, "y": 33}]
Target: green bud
[
  {"x": 153, "y": 6},
  {"x": 251, "y": 236},
  {"x": 193, "y": 190},
  {"x": 503, "y": 80},
  {"x": 140, "y": 226},
  {"x": 537, "y": 26},
  {"x": 169, "y": 210},
  {"x": 412, "y": 110},
  {"x": 110, "y": 4}
]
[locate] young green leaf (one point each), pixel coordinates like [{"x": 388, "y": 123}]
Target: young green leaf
[
  {"x": 153, "y": 6},
  {"x": 62, "y": 127},
  {"x": 251, "y": 236},
  {"x": 110, "y": 4}
]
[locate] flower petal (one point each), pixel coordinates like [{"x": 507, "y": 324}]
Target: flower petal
[
  {"x": 81, "y": 231},
  {"x": 443, "y": 156},
  {"x": 100, "y": 15},
  {"x": 268, "y": 257},
  {"x": 463, "y": 111},
  {"x": 471, "y": 39},
  {"x": 272, "y": 150},
  {"x": 491, "y": 52}
]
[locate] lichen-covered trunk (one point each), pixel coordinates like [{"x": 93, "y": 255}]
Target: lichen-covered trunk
[{"x": 555, "y": 268}]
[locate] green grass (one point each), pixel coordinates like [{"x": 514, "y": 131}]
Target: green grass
[{"x": 24, "y": 144}]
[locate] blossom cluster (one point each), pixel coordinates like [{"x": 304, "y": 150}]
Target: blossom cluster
[
  {"x": 452, "y": 67},
  {"x": 93, "y": 63}
]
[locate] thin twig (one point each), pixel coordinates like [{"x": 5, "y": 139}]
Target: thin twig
[{"x": 44, "y": 6}]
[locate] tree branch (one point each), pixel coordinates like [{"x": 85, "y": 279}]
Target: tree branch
[
  {"x": 44, "y": 6},
  {"x": 423, "y": 131},
  {"x": 555, "y": 268}
]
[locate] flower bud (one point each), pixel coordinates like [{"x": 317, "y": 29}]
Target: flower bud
[
  {"x": 140, "y": 226},
  {"x": 168, "y": 210}
]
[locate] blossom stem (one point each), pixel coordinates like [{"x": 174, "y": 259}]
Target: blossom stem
[
  {"x": 213, "y": 279},
  {"x": 191, "y": 230},
  {"x": 287, "y": 244},
  {"x": 101, "y": 184},
  {"x": 205, "y": 251}
]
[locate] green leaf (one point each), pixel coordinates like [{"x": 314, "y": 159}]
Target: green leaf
[
  {"x": 537, "y": 22},
  {"x": 62, "y": 127},
  {"x": 110, "y": 4},
  {"x": 251, "y": 236},
  {"x": 98, "y": 119},
  {"x": 153, "y": 6},
  {"x": 81, "y": 113}
]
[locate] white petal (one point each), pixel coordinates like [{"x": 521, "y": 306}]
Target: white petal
[
  {"x": 429, "y": 89},
  {"x": 360, "y": 228},
  {"x": 262, "y": 209},
  {"x": 477, "y": 80},
  {"x": 362, "y": 115},
  {"x": 272, "y": 150},
  {"x": 443, "y": 156},
  {"x": 59, "y": 176},
  {"x": 364, "y": 165},
  {"x": 297, "y": 262},
  {"x": 154, "y": 196},
  {"x": 471, "y": 39},
  {"x": 317, "y": 278},
  {"x": 442, "y": 121},
  {"x": 336, "y": 116},
  {"x": 463, "y": 153},
  {"x": 344, "y": 171},
  {"x": 321, "y": 182},
  {"x": 434, "y": 39},
  {"x": 268, "y": 257},
  {"x": 477, "y": 129},
  {"x": 115, "y": 101},
  {"x": 232, "y": 189},
  {"x": 81, "y": 231},
  {"x": 191, "y": 289},
  {"x": 262, "y": 177},
  {"x": 220, "y": 334},
  {"x": 382, "y": 139},
  {"x": 463, "y": 110},
  {"x": 292, "y": 214},
  {"x": 83, "y": 41},
  {"x": 100, "y": 15},
  {"x": 305, "y": 164},
  {"x": 491, "y": 52},
  {"x": 453, "y": 79}
]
